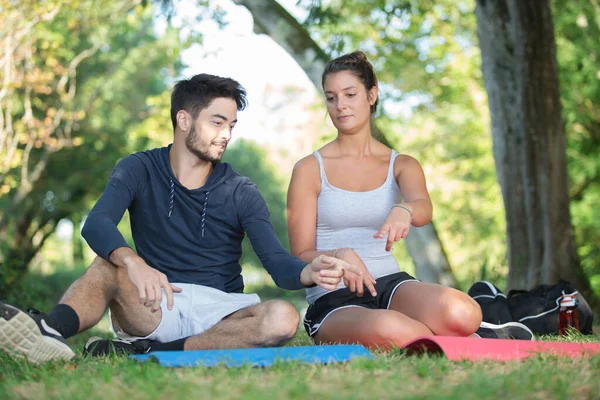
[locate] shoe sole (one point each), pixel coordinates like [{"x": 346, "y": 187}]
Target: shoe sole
[
  {"x": 21, "y": 337},
  {"x": 509, "y": 324}
]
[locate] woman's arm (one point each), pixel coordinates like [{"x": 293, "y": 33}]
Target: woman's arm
[
  {"x": 411, "y": 181},
  {"x": 414, "y": 209},
  {"x": 305, "y": 186}
]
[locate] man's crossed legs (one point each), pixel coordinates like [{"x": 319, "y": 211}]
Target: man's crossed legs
[{"x": 103, "y": 285}]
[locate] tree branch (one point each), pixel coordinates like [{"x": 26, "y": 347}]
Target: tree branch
[{"x": 273, "y": 20}]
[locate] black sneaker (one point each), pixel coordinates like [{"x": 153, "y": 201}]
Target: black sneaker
[
  {"x": 98, "y": 347},
  {"x": 29, "y": 335},
  {"x": 509, "y": 330}
]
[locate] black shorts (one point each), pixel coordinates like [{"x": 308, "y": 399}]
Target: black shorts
[{"x": 385, "y": 287}]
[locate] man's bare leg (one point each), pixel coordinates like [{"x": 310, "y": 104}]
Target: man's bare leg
[
  {"x": 40, "y": 337},
  {"x": 105, "y": 284},
  {"x": 267, "y": 324}
]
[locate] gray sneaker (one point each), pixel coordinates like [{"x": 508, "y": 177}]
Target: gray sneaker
[
  {"x": 28, "y": 335},
  {"x": 509, "y": 330}
]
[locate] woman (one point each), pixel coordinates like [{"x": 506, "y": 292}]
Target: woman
[{"x": 343, "y": 202}]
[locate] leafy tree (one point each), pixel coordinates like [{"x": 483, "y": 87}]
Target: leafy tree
[
  {"x": 521, "y": 75},
  {"x": 75, "y": 80},
  {"x": 271, "y": 18},
  {"x": 428, "y": 64},
  {"x": 249, "y": 159},
  {"x": 427, "y": 55},
  {"x": 577, "y": 30}
]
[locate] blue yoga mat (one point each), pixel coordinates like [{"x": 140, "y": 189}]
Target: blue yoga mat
[{"x": 258, "y": 357}]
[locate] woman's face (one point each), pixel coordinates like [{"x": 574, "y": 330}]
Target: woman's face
[{"x": 348, "y": 101}]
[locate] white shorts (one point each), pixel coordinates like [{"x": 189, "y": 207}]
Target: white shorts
[{"x": 196, "y": 309}]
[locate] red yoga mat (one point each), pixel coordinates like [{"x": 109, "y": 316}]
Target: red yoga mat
[{"x": 470, "y": 348}]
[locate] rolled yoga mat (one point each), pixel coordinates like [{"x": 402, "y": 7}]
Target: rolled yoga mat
[{"x": 469, "y": 348}]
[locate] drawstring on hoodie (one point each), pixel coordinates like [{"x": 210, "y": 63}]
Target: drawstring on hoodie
[
  {"x": 172, "y": 196},
  {"x": 204, "y": 211}
]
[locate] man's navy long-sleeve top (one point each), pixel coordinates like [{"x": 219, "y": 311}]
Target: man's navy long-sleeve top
[{"x": 192, "y": 236}]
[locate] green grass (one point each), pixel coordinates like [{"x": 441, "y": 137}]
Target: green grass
[{"x": 389, "y": 375}]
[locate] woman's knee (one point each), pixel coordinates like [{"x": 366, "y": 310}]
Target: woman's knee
[
  {"x": 390, "y": 331},
  {"x": 461, "y": 315},
  {"x": 280, "y": 321}
]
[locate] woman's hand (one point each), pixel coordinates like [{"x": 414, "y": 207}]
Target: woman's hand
[
  {"x": 354, "y": 282},
  {"x": 396, "y": 225}
]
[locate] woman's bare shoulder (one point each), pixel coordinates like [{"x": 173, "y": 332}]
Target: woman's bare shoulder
[
  {"x": 405, "y": 162},
  {"x": 307, "y": 163}
]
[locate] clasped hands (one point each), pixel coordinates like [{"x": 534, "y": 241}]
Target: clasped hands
[{"x": 347, "y": 265}]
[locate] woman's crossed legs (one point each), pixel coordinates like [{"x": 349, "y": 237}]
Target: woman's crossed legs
[{"x": 415, "y": 309}]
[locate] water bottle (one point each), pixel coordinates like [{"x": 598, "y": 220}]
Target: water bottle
[{"x": 568, "y": 315}]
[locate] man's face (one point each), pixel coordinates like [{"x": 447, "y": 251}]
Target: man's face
[{"x": 211, "y": 131}]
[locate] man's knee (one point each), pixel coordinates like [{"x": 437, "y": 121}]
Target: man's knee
[
  {"x": 101, "y": 267},
  {"x": 280, "y": 322},
  {"x": 112, "y": 278}
]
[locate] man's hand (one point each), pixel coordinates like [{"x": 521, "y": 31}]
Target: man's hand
[
  {"x": 355, "y": 282},
  {"x": 149, "y": 283},
  {"x": 327, "y": 272},
  {"x": 396, "y": 226}
]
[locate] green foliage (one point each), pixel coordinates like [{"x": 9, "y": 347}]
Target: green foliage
[
  {"x": 577, "y": 27},
  {"x": 428, "y": 63},
  {"x": 123, "y": 63},
  {"x": 249, "y": 159},
  {"x": 434, "y": 108}
]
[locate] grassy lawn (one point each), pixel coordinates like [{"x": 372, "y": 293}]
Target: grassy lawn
[{"x": 389, "y": 375}]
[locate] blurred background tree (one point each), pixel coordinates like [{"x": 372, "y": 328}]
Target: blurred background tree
[
  {"x": 429, "y": 57},
  {"x": 76, "y": 77},
  {"x": 435, "y": 107},
  {"x": 577, "y": 32}
]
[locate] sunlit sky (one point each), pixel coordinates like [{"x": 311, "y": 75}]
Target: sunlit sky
[
  {"x": 259, "y": 64},
  {"x": 256, "y": 61}
]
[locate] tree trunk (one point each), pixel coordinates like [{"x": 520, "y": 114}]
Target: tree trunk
[
  {"x": 270, "y": 18},
  {"x": 429, "y": 257},
  {"x": 520, "y": 73}
]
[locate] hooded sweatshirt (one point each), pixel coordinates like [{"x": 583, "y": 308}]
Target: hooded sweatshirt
[{"x": 192, "y": 236}]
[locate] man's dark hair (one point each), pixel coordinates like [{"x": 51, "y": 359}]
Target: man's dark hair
[{"x": 195, "y": 94}]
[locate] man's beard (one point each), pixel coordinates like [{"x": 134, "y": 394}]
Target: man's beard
[{"x": 203, "y": 154}]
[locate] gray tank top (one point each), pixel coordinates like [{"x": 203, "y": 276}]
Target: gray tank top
[{"x": 350, "y": 219}]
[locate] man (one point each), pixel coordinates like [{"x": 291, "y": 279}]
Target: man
[{"x": 183, "y": 289}]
